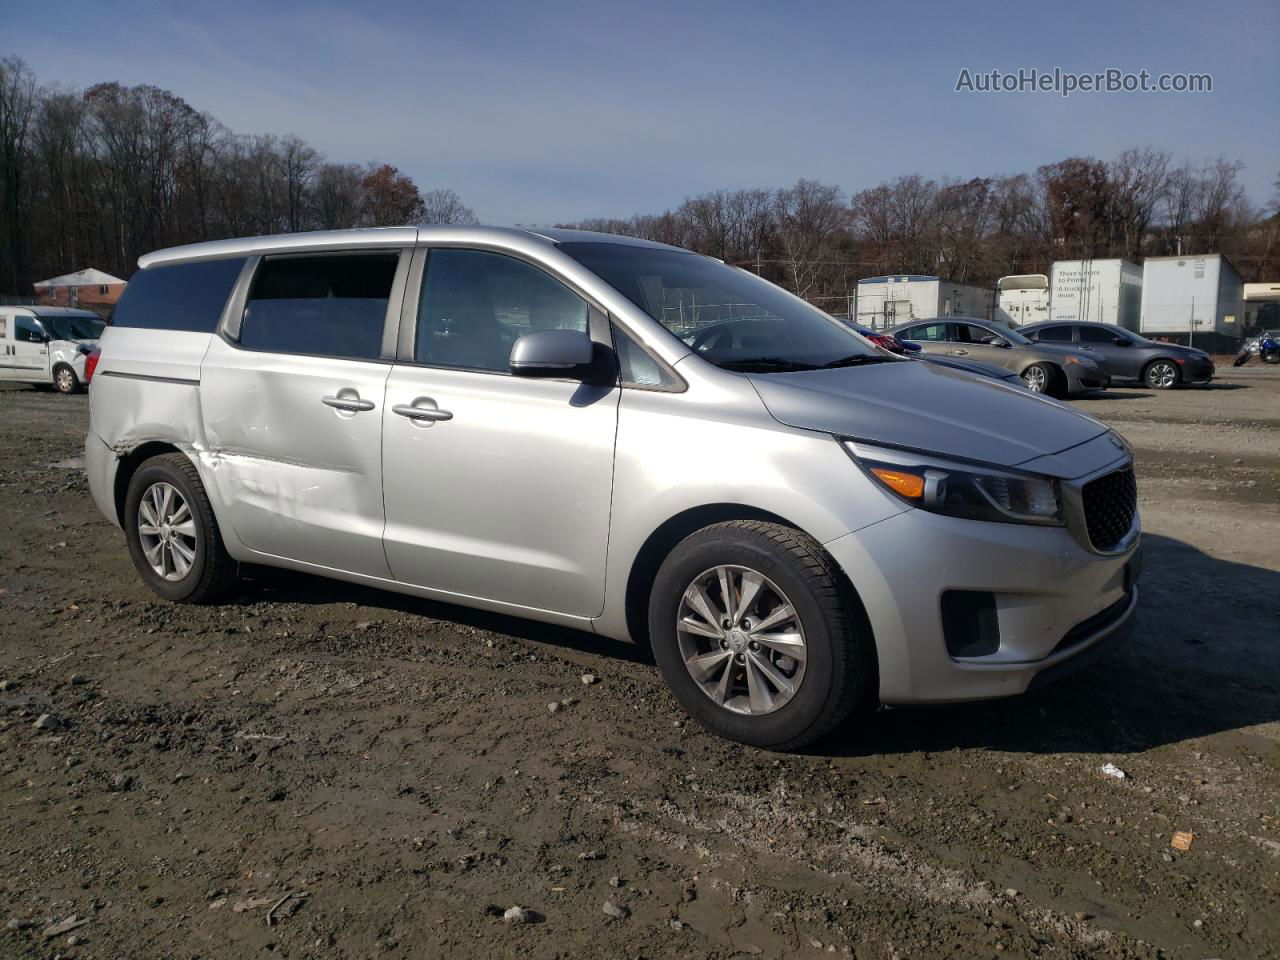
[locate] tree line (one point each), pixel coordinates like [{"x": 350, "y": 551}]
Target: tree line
[
  {"x": 818, "y": 241},
  {"x": 100, "y": 176}
]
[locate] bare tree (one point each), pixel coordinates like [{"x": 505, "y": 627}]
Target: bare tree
[
  {"x": 808, "y": 216},
  {"x": 1139, "y": 181},
  {"x": 445, "y": 206},
  {"x": 17, "y": 107}
]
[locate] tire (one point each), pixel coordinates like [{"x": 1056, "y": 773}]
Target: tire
[
  {"x": 193, "y": 542},
  {"x": 834, "y": 673},
  {"x": 65, "y": 379},
  {"x": 1044, "y": 378},
  {"x": 1161, "y": 374}
]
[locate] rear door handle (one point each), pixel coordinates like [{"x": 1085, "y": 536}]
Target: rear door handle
[
  {"x": 350, "y": 404},
  {"x": 422, "y": 409},
  {"x": 960, "y": 353}
]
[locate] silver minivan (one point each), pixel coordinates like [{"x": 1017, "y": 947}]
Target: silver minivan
[
  {"x": 47, "y": 346},
  {"x": 617, "y": 436}
]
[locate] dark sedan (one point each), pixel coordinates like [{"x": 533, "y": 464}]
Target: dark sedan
[{"x": 1129, "y": 356}]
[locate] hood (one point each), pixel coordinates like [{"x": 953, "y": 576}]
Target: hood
[
  {"x": 926, "y": 407},
  {"x": 1184, "y": 351}
]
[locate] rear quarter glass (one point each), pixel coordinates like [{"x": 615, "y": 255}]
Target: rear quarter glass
[{"x": 180, "y": 296}]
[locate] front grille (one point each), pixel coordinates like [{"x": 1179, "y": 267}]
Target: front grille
[{"x": 1110, "y": 503}]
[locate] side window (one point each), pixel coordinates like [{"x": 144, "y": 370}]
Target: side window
[
  {"x": 329, "y": 306},
  {"x": 636, "y": 368},
  {"x": 476, "y": 304},
  {"x": 1053, "y": 334},
  {"x": 180, "y": 296},
  {"x": 26, "y": 330},
  {"x": 968, "y": 333},
  {"x": 1097, "y": 335},
  {"x": 932, "y": 332}
]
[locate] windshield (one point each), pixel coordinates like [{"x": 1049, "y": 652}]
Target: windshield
[
  {"x": 73, "y": 327},
  {"x": 730, "y": 317}
]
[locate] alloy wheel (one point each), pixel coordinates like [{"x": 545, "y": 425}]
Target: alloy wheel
[
  {"x": 167, "y": 531},
  {"x": 741, "y": 640},
  {"x": 1036, "y": 379},
  {"x": 1163, "y": 375}
]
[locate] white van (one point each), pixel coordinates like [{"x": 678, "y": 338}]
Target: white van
[{"x": 47, "y": 345}]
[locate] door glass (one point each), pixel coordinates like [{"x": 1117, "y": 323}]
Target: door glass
[
  {"x": 475, "y": 305},
  {"x": 1097, "y": 335},
  {"x": 931, "y": 332},
  {"x": 1054, "y": 334},
  {"x": 333, "y": 306},
  {"x": 25, "y": 330}
]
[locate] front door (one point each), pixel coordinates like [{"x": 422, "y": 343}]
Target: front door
[
  {"x": 1122, "y": 357},
  {"x": 933, "y": 338},
  {"x": 497, "y": 487},
  {"x": 293, "y": 410},
  {"x": 30, "y": 357},
  {"x": 969, "y": 344}
]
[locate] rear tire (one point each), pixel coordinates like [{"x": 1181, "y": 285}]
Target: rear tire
[
  {"x": 65, "y": 380},
  {"x": 823, "y": 652},
  {"x": 172, "y": 532}
]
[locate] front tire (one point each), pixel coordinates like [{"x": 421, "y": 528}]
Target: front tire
[
  {"x": 65, "y": 380},
  {"x": 172, "y": 533},
  {"x": 758, "y": 636},
  {"x": 1161, "y": 375},
  {"x": 1044, "y": 378}
]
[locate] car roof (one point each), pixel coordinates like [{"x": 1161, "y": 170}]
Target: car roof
[{"x": 381, "y": 237}]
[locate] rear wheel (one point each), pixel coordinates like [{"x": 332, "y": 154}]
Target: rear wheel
[
  {"x": 65, "y": 379},
  {"x": 757, "y": 635},
  {"x": 1161, "y": 374},
  {"x": 172, "y": 533}
]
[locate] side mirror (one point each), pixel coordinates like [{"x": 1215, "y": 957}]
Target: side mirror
[{"x": 564, "y": 354}]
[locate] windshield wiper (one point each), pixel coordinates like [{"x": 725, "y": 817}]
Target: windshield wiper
[
  {"x": 856, "y": 360},
  {"x": 765, "y": 365}
]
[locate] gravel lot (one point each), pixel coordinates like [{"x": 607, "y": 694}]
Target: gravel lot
[{"x": 317, "y": 770}]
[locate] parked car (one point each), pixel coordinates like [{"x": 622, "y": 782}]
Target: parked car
[
  {"x": 799, "y": 524},
  {"x": 886, "y": 341},
  {"x": 47, "y": 345},
  {"x": 1129, "y": 356},
  {"x": 1045, "y": 368}
]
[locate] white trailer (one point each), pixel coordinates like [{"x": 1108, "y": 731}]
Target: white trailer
[
  {"x": 888, "y": 301},
  {"x": 1187, "y": 298},
  {"x": 1022, "y": 298},
  {"x": 1097, "y": 291}
]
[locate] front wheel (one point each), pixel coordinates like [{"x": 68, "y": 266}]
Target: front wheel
[
  {"x": 65, "y": 380},
  {"x": 172, "y": 533},
  {"x": 757, "y": 636},
  {"x": 1042, "y": 378},
  {"x": 1162, "y": 375}
]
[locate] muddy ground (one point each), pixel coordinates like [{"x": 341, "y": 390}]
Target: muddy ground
[{"x": 395, "y": 764}]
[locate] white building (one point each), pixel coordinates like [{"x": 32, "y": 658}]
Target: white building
[
  {"x": 1190, "y": 298},
  {"x": 1097, "y": 291},
  {"x": 888, "y": 301},
  {"x": 1022, "y": 298}
]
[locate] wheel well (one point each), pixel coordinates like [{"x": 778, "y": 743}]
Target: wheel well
[
  {"x": 1154, "y": 360},
  {"x": 129, "y": 465},
  {"x": 664, "y": 539}
]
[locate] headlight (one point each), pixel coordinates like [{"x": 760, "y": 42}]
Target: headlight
[{"x": 969, "y": 491}]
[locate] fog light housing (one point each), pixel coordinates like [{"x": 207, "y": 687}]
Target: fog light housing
[{"x": 970, "y": 625}]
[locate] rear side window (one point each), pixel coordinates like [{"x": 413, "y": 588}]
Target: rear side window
[
  {"x": 931, "y": 332},
  {"x": 332, "y": 306},
  {"x": 1053, "y": 334},
  {"x": 179, "y": 296}
]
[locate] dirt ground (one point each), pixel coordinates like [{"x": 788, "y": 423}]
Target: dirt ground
[{"x": 317, "y": 770}]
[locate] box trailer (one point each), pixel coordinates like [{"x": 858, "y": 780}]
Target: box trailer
[
  {"x": 1097, "y": 291},
  {"x": 888, "y": 301},
  {"x": 1022, "y": 298},
  {"x": 1192, "y": 298}
]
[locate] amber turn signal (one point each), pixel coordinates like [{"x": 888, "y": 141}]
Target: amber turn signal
[{"x": 903, "y": 484}]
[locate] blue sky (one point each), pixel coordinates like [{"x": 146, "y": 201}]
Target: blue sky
[{"x": 544, "y": 111}]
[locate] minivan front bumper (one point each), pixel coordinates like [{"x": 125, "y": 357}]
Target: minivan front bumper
[{"x": 1055, "y": 602}]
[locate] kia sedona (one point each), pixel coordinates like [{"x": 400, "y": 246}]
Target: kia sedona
[{"x": 800, "y": 525}]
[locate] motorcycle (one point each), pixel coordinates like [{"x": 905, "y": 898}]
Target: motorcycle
[{"x": 1266, "y": 346}]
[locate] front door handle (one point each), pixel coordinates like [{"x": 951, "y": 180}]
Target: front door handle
[
  {"x": 422, "y": 409},
  {"x": 960, "y": 353},
  {"x": 350, "y": 404}
]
